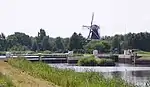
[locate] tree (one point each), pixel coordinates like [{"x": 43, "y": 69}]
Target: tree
[
  {"x": 41, "y": 35},
  {"x": 18, "y": 48},
  {"x": 3, "y": 42},
  {"x": 45, "y": 43},
  {"x": 66, "y": 43},
  {"x": 74, "y": 42},
  {"x": 116, "y": 44},
  {"x": 82, "y": 41},
  {"x": 59, "y": 44},
  {"x": 19, "y": 38},
  {"x": 101, "y": 46},
  {"x": 77, "y": 42},
  {"x": 34, "y": 45}
]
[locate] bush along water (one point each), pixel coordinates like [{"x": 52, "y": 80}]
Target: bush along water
[
  {"x": 65, "y": 77},
  {"x": 91, "y": 61}
]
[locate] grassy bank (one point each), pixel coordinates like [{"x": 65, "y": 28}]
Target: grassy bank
[
  {"x": 143, "y": 53},
  {"x": 5, "y": 81},
  {"x": 66, "y": 78}
]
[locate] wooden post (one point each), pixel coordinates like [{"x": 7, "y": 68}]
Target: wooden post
[
  {"x": 40, "y": 56},
  {"x": 135, "y": 57}
]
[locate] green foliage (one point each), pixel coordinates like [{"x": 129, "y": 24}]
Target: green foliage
[
  {"x": 20, "y": 42},
  {"x": 34, "y": 46},
  {"x": 101, "y": 46},
  {"x": 105, "y": 62},
  {"x": 66, "y": 43},
  {"x": 3, "y": 42},
  {"x": 116, "y": 44},
  {"x": 18, "y": 48},
  {"x": 78, "y": 55},
  {"x": 47, "y": 52},
  {"x": 45, "y": 44},
  {"x": 18, "y": 39},
  {"x": 2, "y": 53},
  {"x": 76, "y": 42},
  {"x": 143, "y": 52},
  {"x": 41, "y": 35},
  {"x": 114, "y": 57},
  {"x": 67, "y": 78},
  {"x": 59, "y": 44},
  {"x": 87, "y": 62},
  {"x": 91, "y": 61},
  {"x": 5, "y": 81}
]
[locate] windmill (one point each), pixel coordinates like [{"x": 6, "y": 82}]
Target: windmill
[{"x": 93, "y": 34}]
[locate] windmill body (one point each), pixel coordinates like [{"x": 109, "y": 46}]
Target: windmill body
[{"x": 93, "y": 34}]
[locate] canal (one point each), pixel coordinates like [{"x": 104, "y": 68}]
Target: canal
[{"x": 136, "y": 74}]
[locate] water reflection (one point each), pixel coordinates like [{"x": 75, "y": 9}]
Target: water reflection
[
  {"x": 136, "y": 74},
  {"x": 134, "y": 77}
]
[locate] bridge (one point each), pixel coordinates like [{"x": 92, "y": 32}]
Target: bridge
[{"x": 52, "y": 58}]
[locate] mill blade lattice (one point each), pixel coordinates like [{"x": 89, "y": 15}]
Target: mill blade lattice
[{"x": 92, "y": 19}]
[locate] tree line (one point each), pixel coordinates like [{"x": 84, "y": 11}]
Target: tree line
[{"x": 42, "y": 42}]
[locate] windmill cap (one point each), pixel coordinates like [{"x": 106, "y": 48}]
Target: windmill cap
[{"x": 95, "y": 26}]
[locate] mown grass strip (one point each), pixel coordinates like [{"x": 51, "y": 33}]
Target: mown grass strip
[
  {"x": 66, "y": 78},
  {"x": 5, "y": 81}
]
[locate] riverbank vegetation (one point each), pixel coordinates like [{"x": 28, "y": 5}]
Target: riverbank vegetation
[
  {"x": 91, "y": 61},
  {"x": 5, "y": 81},
  {"x": 66, "y": 78}
]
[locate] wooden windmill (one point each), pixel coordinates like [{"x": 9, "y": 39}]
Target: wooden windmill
[{"x": 93, "y": 33}]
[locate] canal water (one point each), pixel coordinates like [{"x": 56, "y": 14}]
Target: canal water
[{"x": 135, "y": 74}]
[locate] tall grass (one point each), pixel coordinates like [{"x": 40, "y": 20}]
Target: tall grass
[
  {"x": 5, "y": 81},
  {"x": 66, "y": 78}
]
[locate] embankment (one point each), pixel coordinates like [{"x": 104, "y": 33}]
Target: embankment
[
  {"x": 66, "y": 78},
  {"x": 21, "y": 78}
]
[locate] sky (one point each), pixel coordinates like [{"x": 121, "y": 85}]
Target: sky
[{"x": 63, "y": 17}]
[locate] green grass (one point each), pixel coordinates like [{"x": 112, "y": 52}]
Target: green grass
[
  {"x": 66, "y": 78},
  {"x": 87, "y": 55},
  {"x": 143, "y": 53},
  {"x": 5, "y": 81}
]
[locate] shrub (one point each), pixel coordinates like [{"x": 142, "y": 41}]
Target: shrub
[
  {"x": 114, "y": 57},
  {"x": 105, "y": 62},
  {"x": 47, "y": 52},
  {"x": 87, "y": 62},
  {"x": 91, "y": 61},
  {"x": 2, "y": 53},
  {"x": 78, "y": 55}
]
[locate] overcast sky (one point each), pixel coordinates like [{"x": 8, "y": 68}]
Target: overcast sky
[{"x": 63, "y": 17}]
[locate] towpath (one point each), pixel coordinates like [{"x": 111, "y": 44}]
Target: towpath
[{"x": 21, "y": 78}]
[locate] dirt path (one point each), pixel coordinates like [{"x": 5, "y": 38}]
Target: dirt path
[{"x": 22, "y": 79}]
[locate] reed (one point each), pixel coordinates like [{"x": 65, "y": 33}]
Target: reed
[{"x": 5, "y": 81}]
